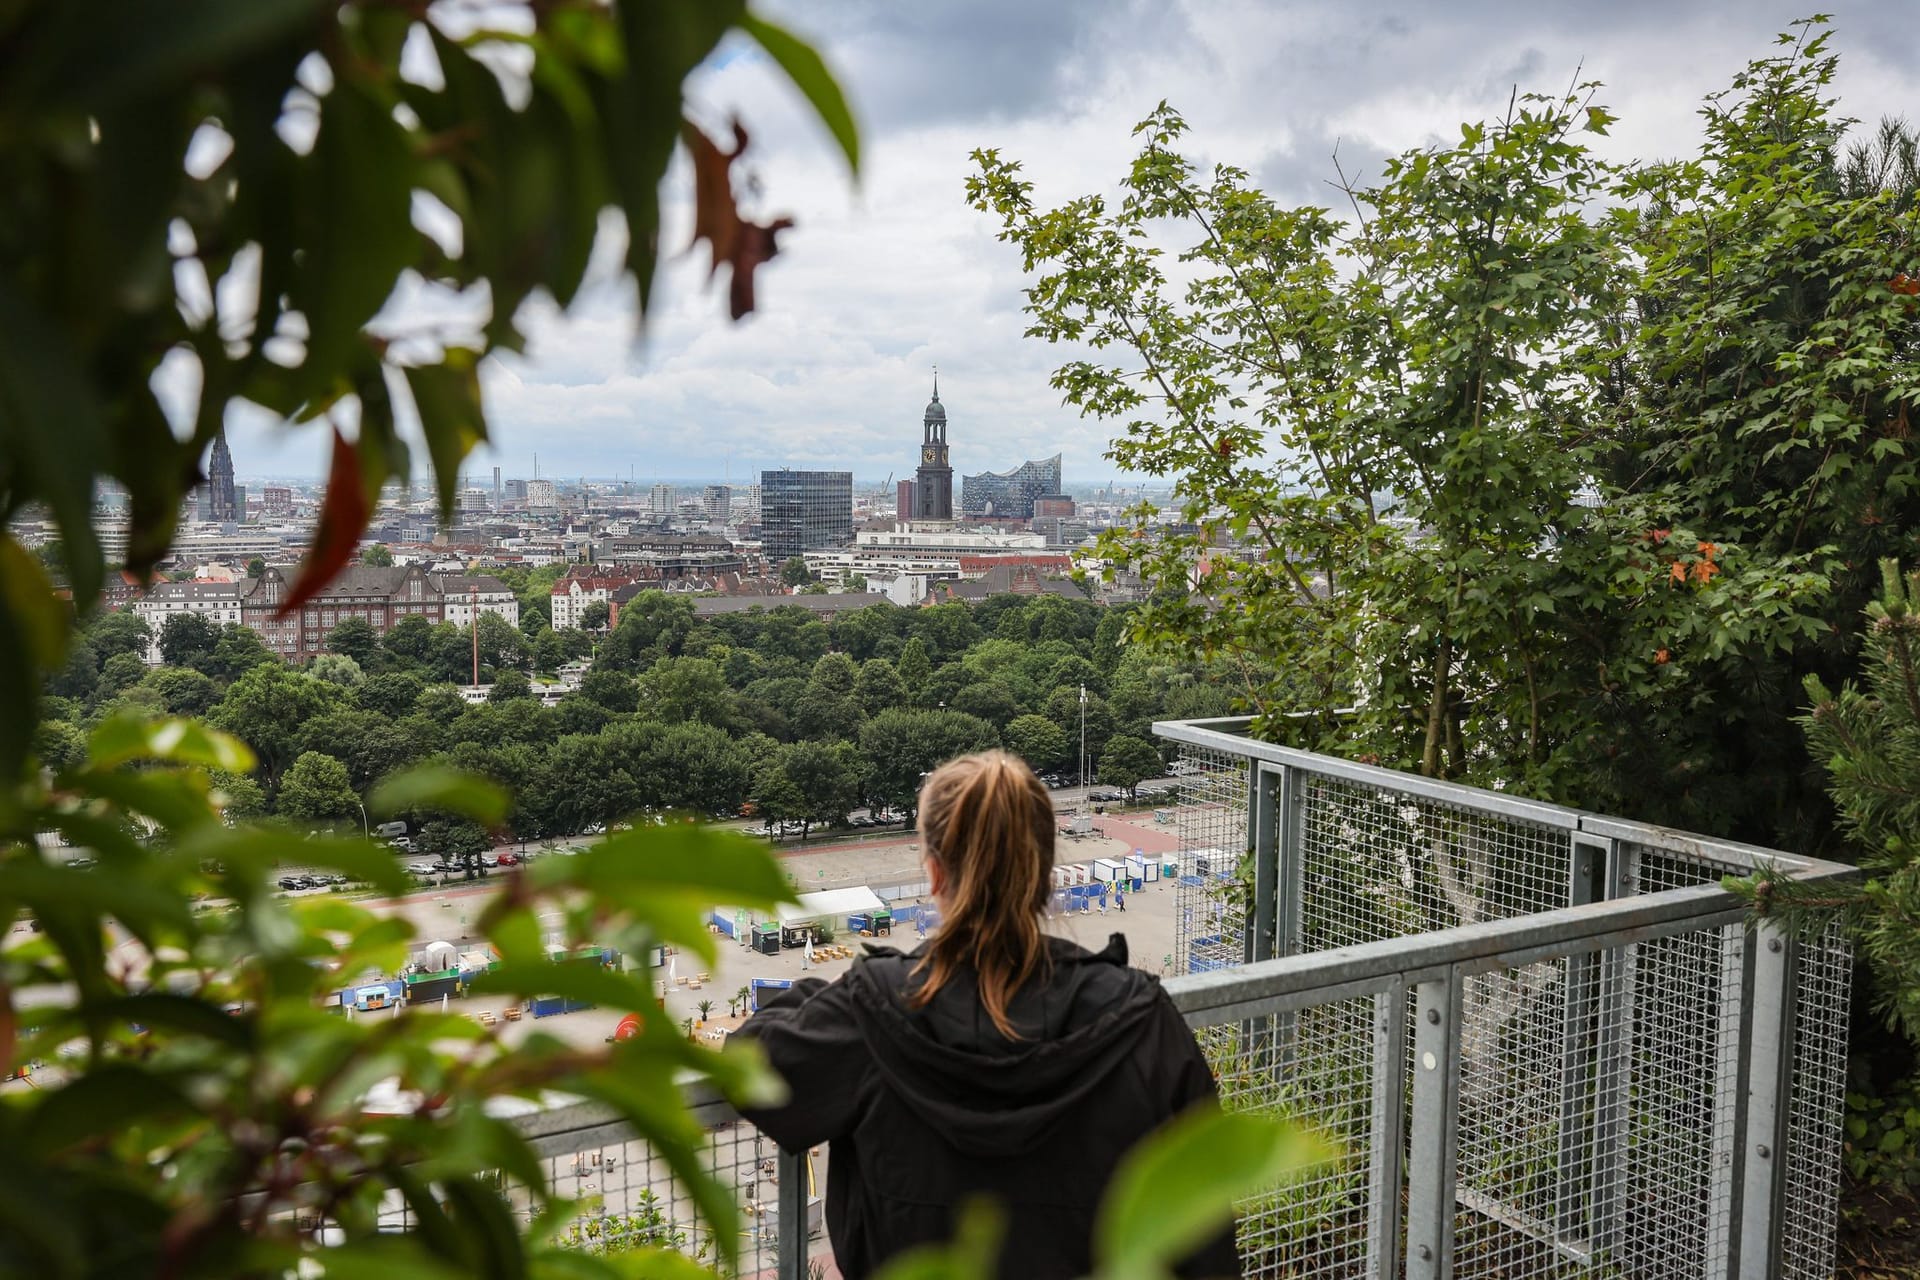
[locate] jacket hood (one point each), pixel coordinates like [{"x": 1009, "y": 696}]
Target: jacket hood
[{"x": 1078, "y": 1022}]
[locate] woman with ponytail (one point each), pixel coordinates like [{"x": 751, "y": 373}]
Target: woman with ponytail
[{"x": 994, "y": 1060}]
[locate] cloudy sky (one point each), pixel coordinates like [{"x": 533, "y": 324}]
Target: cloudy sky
[{"x": 883, "y": 280}]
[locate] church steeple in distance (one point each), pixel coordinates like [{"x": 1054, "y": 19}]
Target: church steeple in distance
[{"x": 933, "y": 482}]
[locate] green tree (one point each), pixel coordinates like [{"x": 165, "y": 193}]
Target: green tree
[
  {"x": 879, "y": 687},
  {"x": 610, "y": 689},
  {"x": 1126, "y": 761},
  {"x": 355, "y": 638},
  {"x": 316, "y": 789},
  {"x": 1037, "y": 740},
  {"x": 238, "y": 651},
  {"x": 267, "y": 708},
  {"x": 120, "y": 672},
  {"x": 594, "y": 616},
  {"x": 390, "y": 693},
  {"x": 914, "y": 667},
  {"x": 1868, "y": 735},
  {"x": 183, "y": 692},
  {"x": 899, "y": 748},
  {"x": 794, "y": 572},
  {"x": 188, "y": 640},
  {"x": 677, "y": 690},
  {"x": 1395, "y": 420},
  {"x": 256, "y": 567},
  {"x": 120, "y": 632},
  {"x": 336, "y": 668},
  {"x": 377, "y": 555},
  {"x": 825, "y": 776},
  {"x": 408, "y": 641},
  {"x": 509, "y": 686}
]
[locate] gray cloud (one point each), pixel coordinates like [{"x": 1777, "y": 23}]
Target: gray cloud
[{"x": 878, "y": 283}]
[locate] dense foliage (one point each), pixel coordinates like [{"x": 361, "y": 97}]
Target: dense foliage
[
  {"x": 805, "y": 718},
  {"x": 1540, "y": 470}
]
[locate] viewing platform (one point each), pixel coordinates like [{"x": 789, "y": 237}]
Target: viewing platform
[{"x": 1547, "y": 1043}]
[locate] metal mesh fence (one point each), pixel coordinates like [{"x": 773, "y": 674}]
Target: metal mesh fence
[
  {"x": 1598, "y": 1093},
  {"x": 633, "y": 1199}
]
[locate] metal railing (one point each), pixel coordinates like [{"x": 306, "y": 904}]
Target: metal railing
[{"x": 1547, "y": 1042}]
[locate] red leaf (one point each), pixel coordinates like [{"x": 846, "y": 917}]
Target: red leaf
[
  {"x": 343, "y": 517},
  {"x": 1678, "y": 570},
  {"x": 1660, "y": 657},
  {"x": 1904, "y": 283},
  {"x": 741, "y": 244}
]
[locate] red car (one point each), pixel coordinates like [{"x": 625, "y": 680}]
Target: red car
[{"x": 509, "y": 860}]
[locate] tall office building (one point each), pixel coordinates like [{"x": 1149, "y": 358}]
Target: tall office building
[
  {"x": 804, "y": 510},
  {"x": 903, "y": 501},
  {"x": 216, "y": 496},
  {"x": 498, "y": 496},
  {"x": 660, "y": 501},
  {"x": 933, "y": 482},
  {"x": 716, "y": 501},
  {"x": 1010, "y": 495}
]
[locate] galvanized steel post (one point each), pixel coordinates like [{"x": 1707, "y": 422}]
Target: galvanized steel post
[
  {"x": 791, "y": 1258},
  {"x": 1436, "y": 1113}
]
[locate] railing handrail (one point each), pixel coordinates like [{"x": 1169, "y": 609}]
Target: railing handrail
[
  {"x": 1228, "y": 734},
  {"x": 1314, "y": 977}
]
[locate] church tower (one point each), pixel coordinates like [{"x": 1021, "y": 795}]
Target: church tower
[
  {"x": 218, "y": 500},
  {"x": 933, "y": 482}
]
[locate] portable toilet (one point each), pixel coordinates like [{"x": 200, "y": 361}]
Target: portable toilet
[
  {"x": 1169, "y": 867},
  {"x": 1106, "y": 870}
]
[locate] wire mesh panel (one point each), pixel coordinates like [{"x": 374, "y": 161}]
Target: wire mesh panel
[
  {"x": 1819, "y": 1082},
  {"x": 1383, "y": 864},
  {"x": 634, "y": 1200},
  {"x": 1210, "y": 926},
  {"x": 1599, "y": 1122},
  {"x": 1317, "y": 1066}
]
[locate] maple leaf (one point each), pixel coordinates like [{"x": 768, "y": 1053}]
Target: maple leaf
[
  {"x": 741, "y": 244},
  {"x": 1904, "y": 283},
  {"x": 1678, "y": 570}
]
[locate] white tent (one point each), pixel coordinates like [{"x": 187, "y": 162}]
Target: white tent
[{"x": 829, "y": 904}]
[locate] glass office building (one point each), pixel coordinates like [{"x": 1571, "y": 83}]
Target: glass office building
[
  {"x": 1010, "y": 495},
  {"x": 804, "y": 510}
]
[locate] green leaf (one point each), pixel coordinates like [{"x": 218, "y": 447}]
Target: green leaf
[
  {"x": 725, "y": 865},
  {"x": 175, "y": 741},
  {"x": 104, "y": 53},
  {"x": 810, "y": 75},
  {"x": 1178, "y": 1187},
  {"x": 438, "y": 787},
  {"x": 104, "y": 1099}
]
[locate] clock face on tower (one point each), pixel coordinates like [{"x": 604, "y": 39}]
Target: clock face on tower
[{"x": 930, "y": 456}]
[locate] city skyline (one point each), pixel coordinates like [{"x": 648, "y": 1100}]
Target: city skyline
[{"x": 882, "y": 280}]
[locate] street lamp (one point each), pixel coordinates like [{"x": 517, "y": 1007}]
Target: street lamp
[
  {"x": 1083, "y": 745},
  {"x": 365, "y": 832}
]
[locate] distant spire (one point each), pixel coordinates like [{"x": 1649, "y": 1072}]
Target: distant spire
[{"x": 936, "y": 382}]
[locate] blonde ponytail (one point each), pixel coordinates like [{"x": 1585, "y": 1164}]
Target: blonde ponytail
[{"x": 988, "y": 823}]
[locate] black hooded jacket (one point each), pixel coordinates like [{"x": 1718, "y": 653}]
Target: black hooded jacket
[{"x": 928, "y": 1107}]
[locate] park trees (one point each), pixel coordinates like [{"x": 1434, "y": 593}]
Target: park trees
[
  {"x": 268, "y": 709},
  {"x": 1126, "y": 761},
  {"x": 187, "y": 640},
  {"x": 315, "y": 788},
  {"x": 1037, "y": 740},
  {"x": 355, "y": 638},
  {"x": 1413, "y": 419},
  {"x": 899, "y": 748}
]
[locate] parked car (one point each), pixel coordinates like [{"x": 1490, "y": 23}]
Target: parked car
[
  {"x": 507, "y": 860},
  {"x": 289, "y": 883}
]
